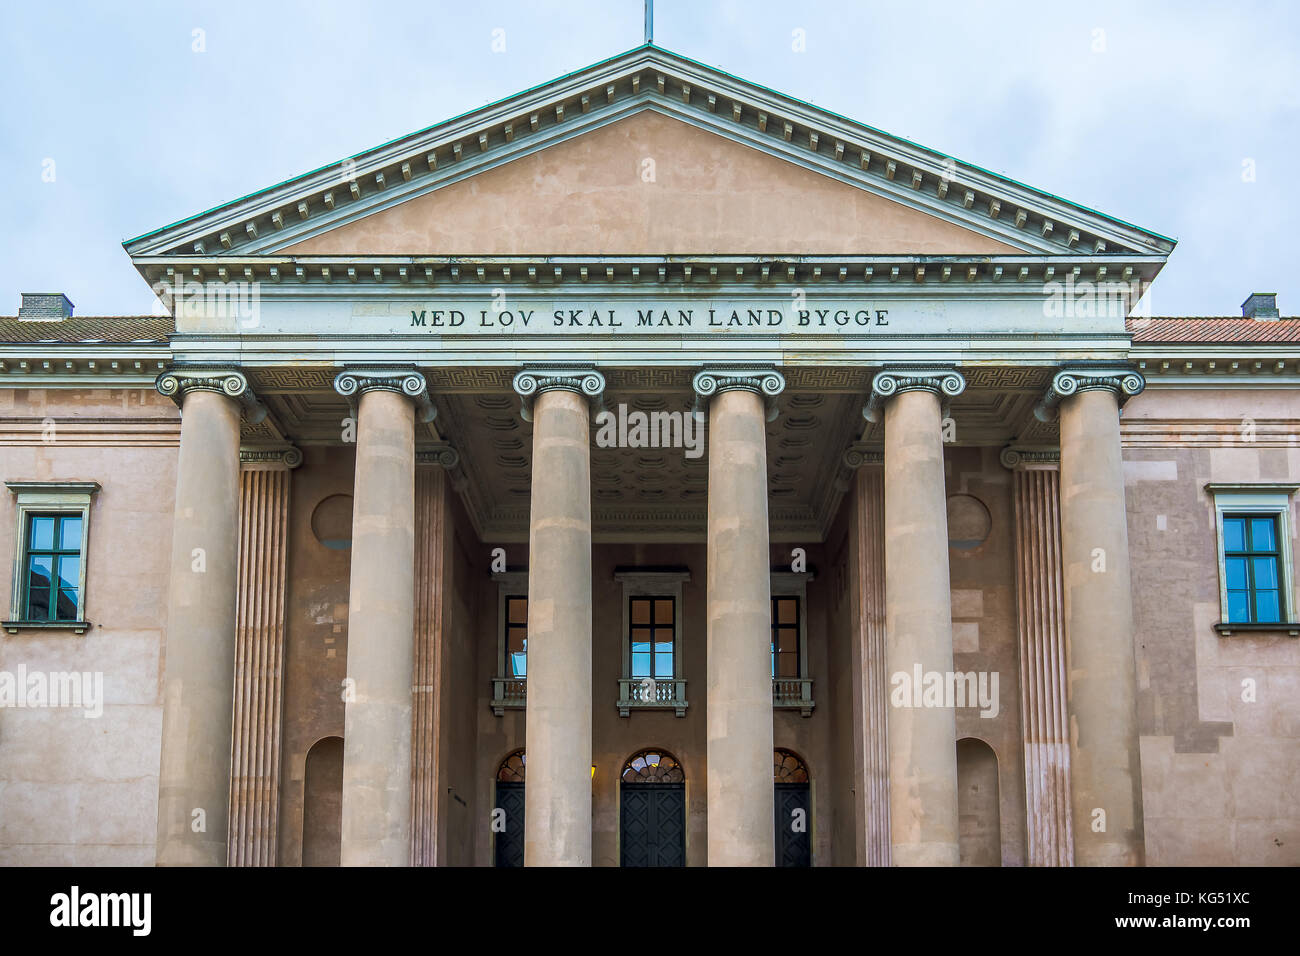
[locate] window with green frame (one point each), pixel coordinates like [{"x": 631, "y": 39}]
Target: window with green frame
[
  {"x": 52, "y": 567},
  {"x": 1251, "y": 559}
]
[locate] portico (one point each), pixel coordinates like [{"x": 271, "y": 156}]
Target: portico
[{"x": 477, "y": 575}]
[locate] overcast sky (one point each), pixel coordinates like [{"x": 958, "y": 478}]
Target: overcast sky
[{"x": 1178, "y": 117}]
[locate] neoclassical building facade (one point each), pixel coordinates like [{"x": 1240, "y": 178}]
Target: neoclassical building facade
[{"x": 649, "y": 469}]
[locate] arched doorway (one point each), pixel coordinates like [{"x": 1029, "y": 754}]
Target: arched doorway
[
  {"x": 979, "y": 829},
  {"x": 652, "y": 810},
  {"x": 508, "y": 812},
  {"x": 322, "y": 803},
  {"x": 793, "y": 804}
]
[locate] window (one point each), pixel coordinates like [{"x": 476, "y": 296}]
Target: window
[
  {"x": 792, "y": 684},
  {"x": 1256, "y": 580},
  {"x": 510, "y": 683},
  {"x": 52, "y": 587},
  {"x": 653, "y": 674},
  {"x": 653, "y": 636},
  {"x": 785, "y": 636},
  {"x": 516, "y": 635},
  {"x": 1250, "y": 558},
  {"x": 49, "y": 585}
]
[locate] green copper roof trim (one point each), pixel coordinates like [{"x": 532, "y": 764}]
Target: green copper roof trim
[{"x": 693, "y": 62}]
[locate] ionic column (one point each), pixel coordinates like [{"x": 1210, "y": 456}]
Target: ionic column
[
  {"x": 739, "y": 614},
  {"x": 381, "y": 617},
  {"x": 918, "y": 612},
  {"x": 557, "y": 813},
  {"x": 259, "y": 653},
  {"x": 194, "y": 773},
  {"x": 1040, "y": 616},
  {"x": 1105, "y": 762}
]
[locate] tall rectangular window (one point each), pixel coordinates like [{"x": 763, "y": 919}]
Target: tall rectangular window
[
  {"x": 1251, "y": 559},
  {"x": 517, "y": 635},
  {"x": 1255, "y": 556},
  {"x": 652, "y": 637},
  {"x": 49, "y": 581},
  {"x": 785, "y": 636},
  {"x": 53, "y": 572}
]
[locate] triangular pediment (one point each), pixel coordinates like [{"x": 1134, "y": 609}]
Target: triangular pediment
[
  {"x": 649, "y": 153},
  {"x": 649, "y": 183}
]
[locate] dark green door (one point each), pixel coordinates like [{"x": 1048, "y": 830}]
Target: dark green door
[
  {"x": 793, "y": 841},
  {"x": 653, "y": 819},
  {"x": 510, "y": 841}
]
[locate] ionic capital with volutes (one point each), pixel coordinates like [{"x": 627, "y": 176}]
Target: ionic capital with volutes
[
  {"x": 894, "y": 379},
  {"x": 1124, "y": 381}
]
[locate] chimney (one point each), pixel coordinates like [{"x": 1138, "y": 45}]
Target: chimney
[
  {"x": 45, "y": 307},
  {"x": 1260, "y": 305}
]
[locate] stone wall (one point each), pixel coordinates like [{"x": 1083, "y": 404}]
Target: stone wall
[
  {"x": 79, "y": 790},
  {"x": 1219, "y": 773}
]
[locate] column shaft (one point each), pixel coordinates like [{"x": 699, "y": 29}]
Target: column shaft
[
  {"x": 1105, "y": 767},
  {"x": 377, "y": 716},
  {"x": 739, "y": 664},
  {"x": 918, "y": 624},
  {"x": 557, "y": 814},
  {"x": 194, "y": 774}
]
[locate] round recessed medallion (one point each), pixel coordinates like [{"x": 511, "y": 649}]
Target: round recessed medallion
[{"x": 331, "y": 522}]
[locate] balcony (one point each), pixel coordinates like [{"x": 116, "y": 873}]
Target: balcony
[
  {"x": 793, "y": 693},
  {"x": 634, "y": 693},
  {"x": 788, "y": 693},
  {"x": 509, "y": 693}
]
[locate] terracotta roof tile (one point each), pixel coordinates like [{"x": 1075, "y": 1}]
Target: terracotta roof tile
[
  {"x": 1209, "y": 329},
  {"x": 115, "y": 330}
]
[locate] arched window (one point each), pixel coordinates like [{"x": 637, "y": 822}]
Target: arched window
[
  {"x": 653, "y": 766},
  {"x": 512, "y": 768},
  {"x": 788, "y": 767}
]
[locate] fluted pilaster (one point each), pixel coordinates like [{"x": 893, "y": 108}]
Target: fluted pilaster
[
  {"x": 432, "y": 578},
  {"x": 870, "y": 679},
  {"x": 1041, "y": 628},
  {"x": 259, "y": 655}
]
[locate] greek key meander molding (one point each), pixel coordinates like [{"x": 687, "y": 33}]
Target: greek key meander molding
[
  {"x": 408, "y": 381},
  {"x": 1123, "y": 380},
  {"x": 175, "y": 383},
  {"x": 945, "y": 382},
  {"x": 763, "y": 380},
  {"x": 1024, "y": 457},
  {"x": 532, "y": 380}
]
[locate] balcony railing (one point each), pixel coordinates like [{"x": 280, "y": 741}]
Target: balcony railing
[
  {"x": 788, "y": 693},
  {"x": 793, "y": 693},
  {"x": 636, "y": 693},
  {"x": 509, "y": 693}
]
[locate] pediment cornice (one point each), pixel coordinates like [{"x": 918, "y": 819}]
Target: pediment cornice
[
  {"x": 385, "y": 274},
  {"x": 654, "y": 79}
]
